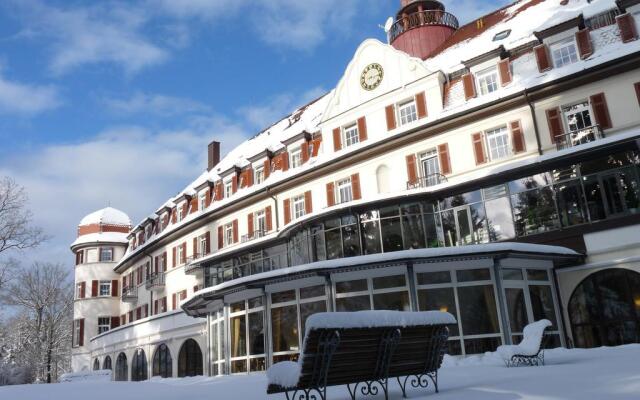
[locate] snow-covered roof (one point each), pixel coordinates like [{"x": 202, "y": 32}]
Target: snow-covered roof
[
  {"x": 101, "y": 237},
  {"x": 107, "y": 216}
]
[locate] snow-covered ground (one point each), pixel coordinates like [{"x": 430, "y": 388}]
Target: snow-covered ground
[{"x": 604, "y": 373}]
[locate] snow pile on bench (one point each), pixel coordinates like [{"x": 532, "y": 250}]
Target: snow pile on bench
[
  {"x": 287, "y": 373},
  {"x": 377, "y": 319},
  {"x": 531, "y": 341},
  {"x": 102, "y": 375}
]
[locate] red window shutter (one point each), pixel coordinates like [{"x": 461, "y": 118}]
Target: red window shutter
[
  {"x": 555, "y": 123},
  {"x": 362, "y": 128},
  {"x": 194, "y": 204},
  {"x": 331, "y": 196},
  {"x": 155, "y": 309},
  {"x": 627, "y": 27},
  {"x": 156, "y": 264},
  {"x": 421, "y": 105},
  {"x": 184, "y": 213},
  {"x": 83, "y": 287},
  {"x": 504, "y": 69},
  {"x": 174, "y": 301},
  {"x": 267, "y": 168},
  {"x": 174, "y": 260},
  {"x": 390, "y": 114},
  {"x": 284, "y": 160},
  {"x": 478, "y": 148},
  {"x": 235, "y": 231},
  {"x": 469, "y": 86},
  {"x": 130, "y": 316},
  {"x": 94, "y": 288},
  {"x": 174, "y": 216},
  {"x": 81, "y": 338},
  {"x": 601, "y": 111},
  {"x": 218, "y": 193},
  {"x": 138, "y": 313},
  {"x": 637, "y": 87},
  {"x": 146, "y": 310},
  {"x": 517, "y": 136},
  {"x": 304, "y": 151},
  {"x": 220, "y": 237},
  {"x": 195, "y": 248},
  {"x": 207, "y": 242},
  {"x": 207, "y": 200},
  {"x": 234, "y": 183},
  {"x": 164, "y": 261},
  {"x": 183, "y": 259},
  {"x": 249, "y": 173},
  {"x": 445, "y": 161},
  {"x": 114, "y": 288},
  {"x": 337, "y": 140},
  {"x": 250, "y": 224},
  {"x": 583, "y": 38},
  {"x": 286, "y": 204},
  {"x": 316, "y": 146},
  {"x": 195, "y": 288},
  {"x": 355, "y": 186},
  {"x": 115, "y": 322},
  {"x": 542, "y": 57},
  {"x": 412, "y": 169},
  {"x": 164, "y": 304},
  {"x": 267, "y": 215},
  {"x": 308, "y": 204}
]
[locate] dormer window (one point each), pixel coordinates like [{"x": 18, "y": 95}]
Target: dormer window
[
  {"x": 487, "y": 80},
  {"x": 407, "y": 112},
  {"x": 228, "y": 189},
  {"x": 202, "y": 200},
  {"x": 564, "y": 52},
  {"x": 180, "y": 213},
  {"x": 296, "y": 157},
  {"x": 351, "y": 135},
  {"x": 259, "y": 175}
]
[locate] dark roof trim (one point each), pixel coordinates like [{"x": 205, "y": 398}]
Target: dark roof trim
[
  {"x": 262, "y": 154},
  {"x": 498, "y": 52},
  {"x": 624, "y": 4},
  {"x": 577, "y": 22},
  {"x": 302, "y": 135}
]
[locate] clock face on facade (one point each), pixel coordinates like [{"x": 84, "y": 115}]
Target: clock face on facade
[{"x": 371, "y": 76}]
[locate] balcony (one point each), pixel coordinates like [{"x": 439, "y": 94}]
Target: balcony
[
  {"x": 578, "y": 137},
  {"x": 256, "y": 235},
  {"x": 193, "y": 264},
  {"x": 129, "y": 294},
  {"x": 155, "y": 281},
  {"x": 426, "y": 181},
  {"x": 422, "y": 18}
]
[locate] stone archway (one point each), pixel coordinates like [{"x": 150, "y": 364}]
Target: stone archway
[{"x": 190, "y": 359}]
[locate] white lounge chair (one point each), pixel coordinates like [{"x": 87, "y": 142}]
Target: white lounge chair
[{"x": 530, "y": 351}]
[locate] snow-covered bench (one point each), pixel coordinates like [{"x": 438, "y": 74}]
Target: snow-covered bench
[
  {"x": 363, "y": 350},
  {"x": 530, "y": 351}
]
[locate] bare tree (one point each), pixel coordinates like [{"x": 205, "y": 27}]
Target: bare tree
[{"x": 43, "y": 294}]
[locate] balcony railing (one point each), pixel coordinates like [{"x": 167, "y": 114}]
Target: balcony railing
[
  {"x": 421, "y": 18},
  {"x": 130, "y": 294},
  {"x": 255, "y": 235},
  {"x": 193, "y": 264},
  {"x": 155, "y": 281},
  {"x": 426, "y": 181},
  {"x": 578, "y": 137}
]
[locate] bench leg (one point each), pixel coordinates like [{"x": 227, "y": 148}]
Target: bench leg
[
  {"x": 369, "y": 388},
  {"x": 418, "y": 381},
  {"x": 307, "y": 394}
]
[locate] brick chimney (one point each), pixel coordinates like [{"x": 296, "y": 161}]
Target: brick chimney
[{"x": 213, "y": 152}]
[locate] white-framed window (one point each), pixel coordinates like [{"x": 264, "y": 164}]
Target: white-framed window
[
  {"x": 577, "y": 116},
  {"x": 202, "y": 245},
  {"x": 228, "y": 234},
  {"x": 92, "y": 255},
  {"x": 259, "y": 223},
  {"x": 351, "y": 135},
  {"x": 228, "y": 189},
  {"x": 106, "y": 254},
  {"x": 259, "y": 175},
  {"x": 76, "y": 332},
  {"x": 104, "y": 324},
  {"x": 407, "y": 112},
  {"x": 79, "y": 290},
  {"x": 298, "y": 207},
  {"x": 179, "y": 256},
  {"x": 296, "y": 157},
  {"x": 487, "y": 80},
  {"x": 105, "y": 289},
  {"x": 430, "y": 165},
  {"x": 498, "y": 143},
  {"x": 180, "y": 213},
  {"x": 564, "y": 52},
  {"x": 344, "y": 193},
  {"x": 202, "y": 200}
]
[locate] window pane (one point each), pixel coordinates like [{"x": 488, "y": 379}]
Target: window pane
[
  {"x": 371, "y": 237},
  {"x": 542, "y": 303},
  {"x": 256, "y": 333},
  {"x": 350, "y": 240},
  {"x": 537, "y": 275},
  {"x": 413, "y": 232},
  {"x": 282, "y": 297},
  {"x": 441, "y": 299},
  {"x": 354, "y": 303},
  {"x": 429, "y": 278},
  {"x": 468, "y": 275},
  {"x": 534, "y": 211},
  {"x": 431, "y": 230},
  {"x": 284, "y": 326},
  {"x": 398, "y": 301},
  {"x": 238, "y": 336},
  {"x": 238, "y": 366},
  {"x": 312, "y": 291},
  {"x": 499, "y": 219},
  {"x": 511, "y": 274},
  {"x": 391, "y": 235},
  {"x": 481, "y": 346},
  {"x": 358, "y": 285},
  {"x": 255, "y": 302},
  {"x": 385, "y": 282},
  {"x": 239, "y": 306},
  {"x": 308, "y": 309},
  {"x": 517, "y": 309},
  {"x": 334, "y": 244},
  {"x": 449, "y": 228},
  {"x": 478, "y": 310},
  {"x": 570, "y": 203},
  {"x": 595, "y": 202}
]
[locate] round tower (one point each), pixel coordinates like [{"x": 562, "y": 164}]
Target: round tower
[
  {"x": 100, "y": 244},
  {"x": 420, "y": 27}
]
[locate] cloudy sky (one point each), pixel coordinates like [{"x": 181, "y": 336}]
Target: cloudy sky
[{"x": 113, "y": 102}]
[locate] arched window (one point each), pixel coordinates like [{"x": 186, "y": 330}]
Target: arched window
[
  {"x": 96, "y": 364},
  {"x": 190, "y": 359},
  {"x": 603, "y": 309},
  {"x": 162, "y": 362},
  {"x": 382, "y": 178},
  {"x": 139, "y": 366},
  {"x": 106, "y": 364},
  {"x": 122, "y": 372}
]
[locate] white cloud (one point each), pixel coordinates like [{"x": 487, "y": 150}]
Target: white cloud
[
  {"x": 156, "y": 104},
  {"x": 22, "y": 98}
]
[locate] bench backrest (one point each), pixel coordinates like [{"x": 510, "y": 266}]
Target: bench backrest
[{"x": 360, "y": 353}]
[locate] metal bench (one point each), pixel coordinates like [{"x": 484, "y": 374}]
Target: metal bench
[
  {"x": 530, "y": 351},
  {"x": 364, "y": 359}
]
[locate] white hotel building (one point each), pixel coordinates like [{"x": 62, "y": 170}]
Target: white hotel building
[{"x": 491, "y": 170}]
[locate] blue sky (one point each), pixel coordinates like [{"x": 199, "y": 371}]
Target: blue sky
[{"x": 113, "y": 102}]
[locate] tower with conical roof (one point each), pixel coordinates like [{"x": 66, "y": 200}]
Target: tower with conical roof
[{"x": 100, "y": 244}]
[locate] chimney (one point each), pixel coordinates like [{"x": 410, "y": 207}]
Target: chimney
[{"x": 213, "y": 152}]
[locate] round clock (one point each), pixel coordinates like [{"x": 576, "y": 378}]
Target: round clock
[{"x": 371, "y": 76}]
